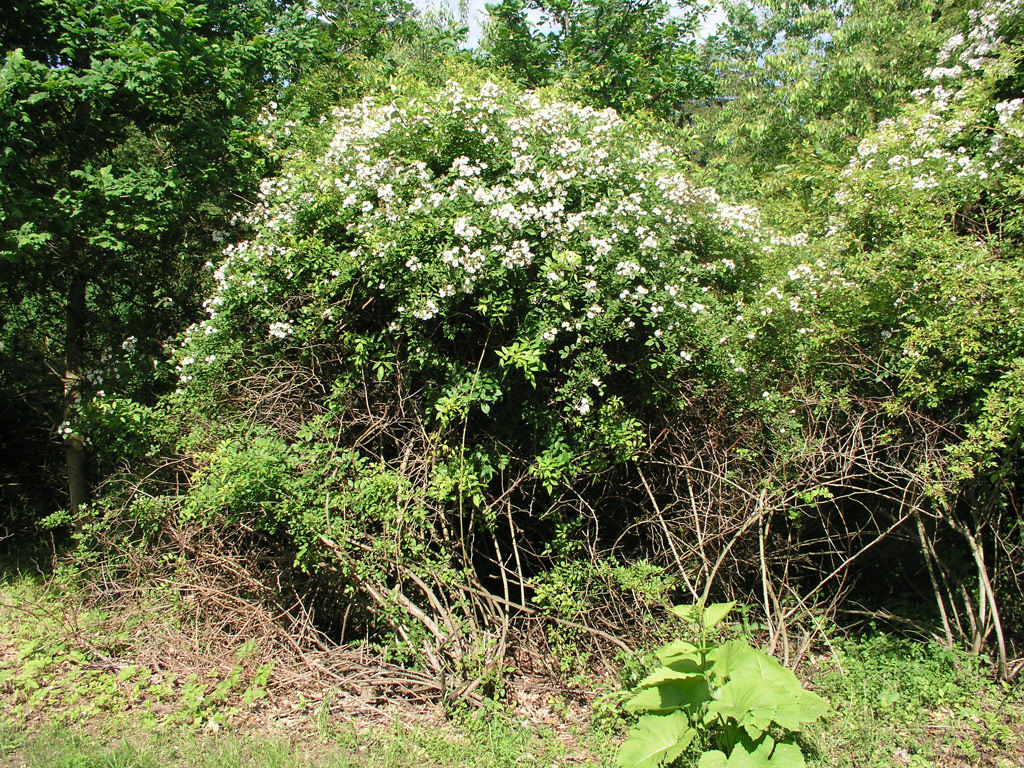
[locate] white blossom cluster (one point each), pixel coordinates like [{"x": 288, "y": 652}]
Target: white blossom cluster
[
  {"x": 936, "y": 142},
  {"x": 573, "y": 181},
  {"x": 567, "y": 217}
]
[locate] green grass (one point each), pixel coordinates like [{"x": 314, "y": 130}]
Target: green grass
[
  {"x": 499, "y": 744},
  {"x": 896, "y": 702},
  {"x": 900, "y": 702},
  {"x": 59, "y": 748}
]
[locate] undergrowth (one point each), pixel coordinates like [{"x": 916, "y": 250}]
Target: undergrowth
[
  {"x": 83, "y": 684},
  {"x": 902, "y": 702},
  {"x": 77, "y": 675}
]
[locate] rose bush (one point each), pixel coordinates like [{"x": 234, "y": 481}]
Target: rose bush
[{"x": 455, "y": 325}]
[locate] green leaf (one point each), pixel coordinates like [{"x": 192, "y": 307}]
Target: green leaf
[
  {"x": 666, "y": 690},
  {"x": 803, "y": 707},
  {"x": 730, "y": 656},
  {"x": 655, "y": 741},
  {"x": 713, "y": 758},
  {"x": 709, "y": 616},
  {"x": 745, "y": 754},
  {"x": 760, "y": 691},
  {"x": 686, "y": 612},
  {"x": 748, "y": 704},
  {"x": 787, "y": 756},
  {"x": 675, "y": 651},
  {"x": 715, "y": 612}
]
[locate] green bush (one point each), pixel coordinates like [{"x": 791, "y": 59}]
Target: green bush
[{"x": 451, "y": 331}]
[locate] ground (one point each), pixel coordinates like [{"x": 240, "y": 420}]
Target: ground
[{"x": 147, "y": 679}]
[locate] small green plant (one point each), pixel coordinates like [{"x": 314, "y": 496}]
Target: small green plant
[{"x": 731, "y": 697}]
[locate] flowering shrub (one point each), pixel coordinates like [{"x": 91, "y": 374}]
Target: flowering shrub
[
  {"x": 946, "y": 298},
  {"x": 455, "y": 323},
  {"x": 930, "y": 223},
  {"x": 484, "y": 350},
  {"x": 533, "y": 265}
]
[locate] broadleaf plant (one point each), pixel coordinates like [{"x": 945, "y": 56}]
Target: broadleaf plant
[{"x": 738, "y": 698}]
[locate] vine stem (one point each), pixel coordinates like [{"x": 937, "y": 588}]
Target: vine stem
[
  {"x": 668, "y": 535},
  {"x": 466, "y": 559},
  {"x": 987, "y": 592}
]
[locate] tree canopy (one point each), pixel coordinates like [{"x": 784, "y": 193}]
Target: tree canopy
[{"x": 627, "y": 54}]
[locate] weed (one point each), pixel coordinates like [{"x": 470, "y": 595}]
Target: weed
[
  {"x": 903, "y": 702},
  {"x": 736, "y": 704}
]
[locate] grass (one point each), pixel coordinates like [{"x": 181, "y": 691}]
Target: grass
[
  {"x": 65, "y": 703},
  {"x": 59, "y": 748},
  {"x": 901, "y": 702},
  {"x": 501, "y": 744},
  {"x": 73, "y": 696}
]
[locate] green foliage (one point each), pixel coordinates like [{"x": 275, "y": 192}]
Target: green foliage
[
  {"x": 803, "y": 83},
  {"x": 126, "y": 133},
  {"x": 632, "y": 55},
  {"x": 912, "y": 701},
  {"x": 927, "y": 214},
  {"x": 96, "y": 688},
  {"x": 127, "y": 93},
  {"x": 730, "y": 696},
  {"x": 321, "y": 53},
  {"x": 131, "y": 134},
  {"x": 536, "y": 282},
  {"x": 525, "y": 277},
  {"x": 467, "y": 309},
  {"x": 70, "y": 664},
  {"x": 476, "y": 350}
]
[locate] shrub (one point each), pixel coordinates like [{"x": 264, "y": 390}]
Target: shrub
[{"x": 456, "y": 328}]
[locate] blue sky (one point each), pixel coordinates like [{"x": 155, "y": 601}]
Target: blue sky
[{"x": 476, "y": 13}]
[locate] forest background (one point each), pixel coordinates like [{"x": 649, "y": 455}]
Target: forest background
[{"x": 470, "y": 352}]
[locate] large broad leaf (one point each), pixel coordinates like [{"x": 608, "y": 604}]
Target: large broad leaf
[
  {"x": 684, "y": 657},
  {"x": 746, "y": 754},
  {"x": 656, "y": 740},
  {"x": 736, "y": 658},
  {"x": 665, "y": 674},
  {"x": 738, "y": 759},
  {"x": 666, "y": 690},
  {"x": 689, "y": 666},
  {"x": 760, "y": 691},
  {"x": 713, "y": 759},
  {"x": 730, "y": 656},
  {"x": 787, "y": 756},
  {"x": 799, "y": 708},
  {"x": 715, "y": 612},
  {"x": 752, "y": 706},
  {"x": 709, "y": 616},
  {"x": 677, "y": 650}
]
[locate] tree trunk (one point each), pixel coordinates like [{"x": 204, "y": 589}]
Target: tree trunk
[{"x": 74, "y": 444}]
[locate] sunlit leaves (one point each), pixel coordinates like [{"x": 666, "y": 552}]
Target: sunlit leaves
[
  {"x": 734, "y": 694},
  {"x": 656, "y": 741},
  {"x": 633, "y": 55}
]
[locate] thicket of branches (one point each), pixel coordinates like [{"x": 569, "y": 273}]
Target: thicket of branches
[{"x": 478, "y": 366}]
